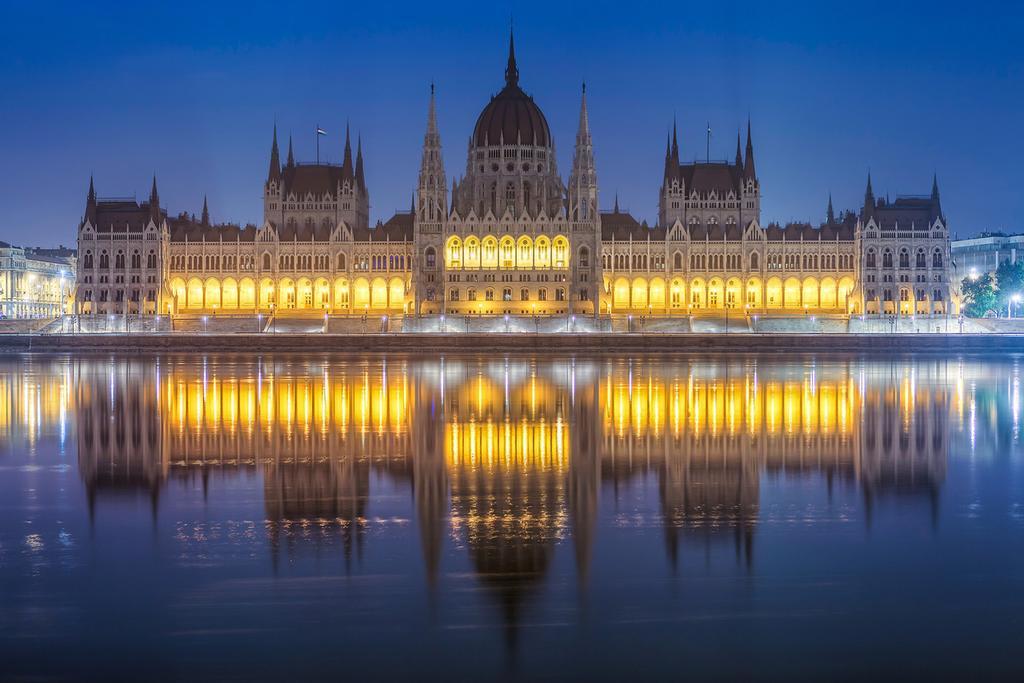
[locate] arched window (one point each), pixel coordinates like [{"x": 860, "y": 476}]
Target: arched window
[
  {"x": 87, "y": 260},
  {"x": 755, "y": 260},
  {"x": 542, "y": 295},
  {"x": 266, "y": 261},
  {"x": 584, "y": 257},
  {"x": 937, "y": 258},
  {"x": 506, "y": 294},
  {"x": 510, "y": 196},
  {"x": 431, "y": 257},
  {"x": 887, "y": 259},
  {"x": 524, "y": 294},
  {"x": 904, "y": 258},
  {"x": 119, "y": 260},
  {"x": 677, "y": 261},
  {"x": 453, "y": 294},
  {"x": 151, "y": 259},
  {"x": 921, "y": 260},
  {"x": 342, "y": 261},
  {"x": 136, "y": 259},
  {"x": 869, "y": 260}
]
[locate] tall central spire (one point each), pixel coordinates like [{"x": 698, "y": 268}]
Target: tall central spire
[{"x": 511, "y": 71}]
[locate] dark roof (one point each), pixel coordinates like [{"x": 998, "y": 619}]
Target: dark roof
[
  {"x": 906, "y": 212},
  {"x": 398, "y": 228},
  {"x": 315, "y": 179},
  {"x": 718, "y": 176},
  {"x": 119, "y": 215},
  {"x": 185, "y": 228},
  {"x": 794, "y": 232},
  {"x": 617, "y": 225}
]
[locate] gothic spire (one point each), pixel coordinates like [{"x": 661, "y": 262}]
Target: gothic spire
[
  {"x": 583, "y": 179},
  {"x": 360, "y": 179},
  {"x": 433, "y": 187},
  {"x": 275, "y": 160},
  {"x": 675, "y": 144},
  {"x": 90, "y": 203},
  {"x": 748, "y": 167},
  {"x": 936, "y": 204},
  {"x": 869, "y": 199},
  {"x": 739, "y": 156},
  {"x": 615, "y": 209},
  {"x": 346, "y": 166},
  {"x": 154, "y": 202},
  {"x": 830, "y": 216},
  {"x": 511, "y": 71},
  {"x": 291, "y": 157},
  {"x": 206, "y": 212}
]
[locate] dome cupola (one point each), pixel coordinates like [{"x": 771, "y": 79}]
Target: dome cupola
[{"x": 511, "y": 117}]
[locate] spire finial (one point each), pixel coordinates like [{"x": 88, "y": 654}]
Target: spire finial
[
  {"x": 511, "y": 71},
  {"x": 830, "y": 215},
  {"x": 291, "y": 156},
  {"x": 206, "y": 212}
]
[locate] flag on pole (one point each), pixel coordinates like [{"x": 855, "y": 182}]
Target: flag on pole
[{"x": 321, "y": 131}]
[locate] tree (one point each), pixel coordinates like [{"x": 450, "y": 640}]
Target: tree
[
  {"x": 1010, "y": 281},
  {"x": 979, "y": 295}
]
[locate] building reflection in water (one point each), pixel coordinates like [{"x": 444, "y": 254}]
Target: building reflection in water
[{"x": 507, "y": 459}]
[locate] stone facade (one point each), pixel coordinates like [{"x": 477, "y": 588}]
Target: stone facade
[{"x": 511, "y": 238}]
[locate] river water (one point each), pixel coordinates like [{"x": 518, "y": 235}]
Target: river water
[{"x": 310, "y": 517}]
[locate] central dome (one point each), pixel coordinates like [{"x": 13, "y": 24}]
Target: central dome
[{"x": 511, "y": 116}]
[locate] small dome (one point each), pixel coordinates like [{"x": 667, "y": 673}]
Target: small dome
[{"x": 511, "y": 115}]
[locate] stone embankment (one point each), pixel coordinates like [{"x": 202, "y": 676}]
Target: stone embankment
[{"x": 617, "y": 343}]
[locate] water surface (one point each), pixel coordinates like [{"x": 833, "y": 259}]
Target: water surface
[{"x": 315, "y": 517}]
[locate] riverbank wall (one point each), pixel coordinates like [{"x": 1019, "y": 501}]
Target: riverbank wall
[{"x": 613, "y": 343}]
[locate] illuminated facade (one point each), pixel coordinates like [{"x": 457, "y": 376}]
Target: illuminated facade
[
  {"x": 511, "y": 238},
  {"x": 35, "y": 283}
]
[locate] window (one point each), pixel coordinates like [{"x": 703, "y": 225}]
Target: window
[
  {"x": 489, "y": 295},
  {"x": 119, "y": 260},
  {"x": 87, "y": 260},
  {"x": 937, "y": 259},
  {"x": 431, "y": 257},
  {"x": 559, "y": 294},
  {"x": 887, "y": 259},
  {"x": 266, "y": 262},
  {"x": 904, "y": 258},
  {"x": 584, "y": 257},
  {"x": 755, "y": 260},
  {"x": 869, "y": 261},
  {"x": 136, "y": 260},
  {"x": 472, "y": 295},
  {"x": 453, "y": 294},
  {"x": 921, "y": 259},
  {"x": 524, "y": 294},
  {"x": 104, "y": 260}
]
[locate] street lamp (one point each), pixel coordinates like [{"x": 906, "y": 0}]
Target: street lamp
[{"x": 1014, "y": 299}]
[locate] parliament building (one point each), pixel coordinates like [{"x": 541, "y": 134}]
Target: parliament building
[{"x": 511, "y": 237}]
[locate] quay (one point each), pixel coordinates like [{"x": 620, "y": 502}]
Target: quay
[{"x": 436, "y": 343}]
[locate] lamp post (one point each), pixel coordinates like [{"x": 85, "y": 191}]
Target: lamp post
[{"x": 1014, "y": 299}]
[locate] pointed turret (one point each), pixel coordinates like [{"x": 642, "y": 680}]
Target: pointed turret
[
  {"x": 583, "y": 179},
  {"x": 347, "y": 171},
  {"x": 668, "y": 156},
  {"x": 360, "y": 178},
  {"x": 206, "y": 212},
  {"x": 154, "y": 203},
  {"x": 433, "y": 186},
  {"x": 90, "y": 203},
  {"x": 749, "y": 172},
  {"x": 936, "y": 204},
  {"x": 291, "y": 156},
  {"x": 869, "y": 200},
  {"x": 830, "y": 216},
  {"x": 615, "y": 209},
  {"x": 739, "y": 155},
  {"x": 675, "y": 146},
  {"x": 511, "y": 71},
  {"x": 275, "y": 160}
]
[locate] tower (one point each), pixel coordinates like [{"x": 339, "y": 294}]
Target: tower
[
  {"x": 430, "y": 211},
  {"x": 584, "y": 217}
]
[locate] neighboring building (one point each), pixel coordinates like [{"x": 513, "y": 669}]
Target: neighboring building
[
  {"x": 35, "y": 282},
  {"x": 904, "y": 244},
  {"x": 979, "y": 255},
  {"x": 121, "y": 247},
  {"x": 512, "y": 238}
]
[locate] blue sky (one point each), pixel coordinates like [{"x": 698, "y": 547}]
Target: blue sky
[{"x": 190, "y": 91}]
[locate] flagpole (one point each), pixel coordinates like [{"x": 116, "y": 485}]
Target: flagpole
[
  {"x": 316, "y": 134},
  {"x": 708, "y": 158}
]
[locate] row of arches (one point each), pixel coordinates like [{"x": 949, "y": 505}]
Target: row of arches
[
  {"x": 660, "y": 295},
  {"x": 490, "y": 253},
  {"x": 245, "y": 294}
]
